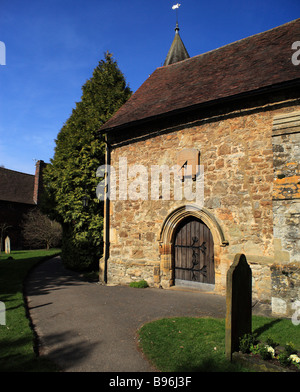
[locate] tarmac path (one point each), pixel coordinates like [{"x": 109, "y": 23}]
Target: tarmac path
[{"x": 89, "y": 327}]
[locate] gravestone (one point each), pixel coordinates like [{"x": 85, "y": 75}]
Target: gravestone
[
  {"x": 7, "y": 245},
  {"x": 2, "y": 314},
  {"x": 238, "y": 304}
]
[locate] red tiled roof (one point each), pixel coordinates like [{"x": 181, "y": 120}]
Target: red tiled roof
[
  {"x": 248, "y": 65},
  {"x": 16, "y": 187}
]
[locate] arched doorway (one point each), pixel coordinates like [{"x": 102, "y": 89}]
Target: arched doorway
[
  {"x": 193, "y": 251},
  {"x": 173, "y": 223}
]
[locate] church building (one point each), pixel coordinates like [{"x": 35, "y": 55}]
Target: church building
[
  {"x": 203, "y": 164},
  {"x": 19, "y": 194}
]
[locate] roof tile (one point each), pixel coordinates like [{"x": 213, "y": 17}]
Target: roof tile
[
  {"x": 16, "y": 187},
  {"x": 250, "y": 64}
]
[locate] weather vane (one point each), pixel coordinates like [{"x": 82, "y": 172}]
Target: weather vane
[{"x": 175, "y": 7}]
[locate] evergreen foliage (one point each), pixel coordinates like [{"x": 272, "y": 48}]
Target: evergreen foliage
[{"x": 79, "y": 151}]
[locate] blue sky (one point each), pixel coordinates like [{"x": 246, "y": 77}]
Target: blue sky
[{"x": 52, "y": 47}]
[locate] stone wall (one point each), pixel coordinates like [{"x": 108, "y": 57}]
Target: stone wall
[
  {"x": 286, "y": 211},
  {"x": 285, "y": 289},
  {"x": 237, "y": 154}
]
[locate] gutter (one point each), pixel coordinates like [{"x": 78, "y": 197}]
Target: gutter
[{"x": 104, "y": 259}]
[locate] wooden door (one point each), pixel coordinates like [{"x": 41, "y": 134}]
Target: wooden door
[{"x": 194, "y": 253}]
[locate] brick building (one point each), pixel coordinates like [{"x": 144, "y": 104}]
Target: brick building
[
  {"x": 235, "y": 113},
  {"x": 19, "y": 193}
]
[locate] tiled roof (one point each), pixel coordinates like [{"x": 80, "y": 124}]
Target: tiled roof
[
  {"x": 16, "y": 187},
  {"x": 248, "y": 65}
]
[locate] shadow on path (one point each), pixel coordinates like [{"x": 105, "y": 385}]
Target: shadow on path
[{"x": 86, "y": 326}]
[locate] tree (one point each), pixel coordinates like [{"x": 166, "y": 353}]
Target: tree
[
  {"x": 39, "y": 231},
  {"x": 79, "y": 151}
]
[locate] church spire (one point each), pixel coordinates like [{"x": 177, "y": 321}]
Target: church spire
[{"x": 177, "y": 50}]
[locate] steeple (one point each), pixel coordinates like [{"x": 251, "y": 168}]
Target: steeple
[{"x": 177, "y": 50}]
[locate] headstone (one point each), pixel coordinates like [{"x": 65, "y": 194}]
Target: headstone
[
  {"x": 2, "y": 314},
  {"x": 7, "y": 245},
  {"x": 238, "y": 304}
]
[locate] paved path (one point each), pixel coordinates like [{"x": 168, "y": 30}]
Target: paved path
[{"x": 86, "y": 327}]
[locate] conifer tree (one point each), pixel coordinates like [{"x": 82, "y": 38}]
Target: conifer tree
[{"x": 79, "y": 151}]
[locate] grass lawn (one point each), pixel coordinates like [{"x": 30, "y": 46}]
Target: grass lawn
[
  {"x": 16, "y": 336},
  {"x": 198, "y": 344}
]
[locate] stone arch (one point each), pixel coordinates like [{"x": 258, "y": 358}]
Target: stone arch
[{"x": 168, "y": 231}]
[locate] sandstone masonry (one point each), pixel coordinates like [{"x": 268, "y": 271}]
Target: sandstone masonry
[
  {"x": 285, "y": 272},
  {"x": 237, "y": 154}
]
